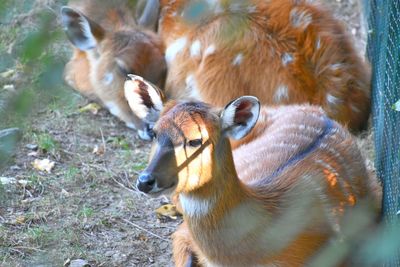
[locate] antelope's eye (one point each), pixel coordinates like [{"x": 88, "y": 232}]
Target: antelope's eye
[{"x": 195, "y": 142}]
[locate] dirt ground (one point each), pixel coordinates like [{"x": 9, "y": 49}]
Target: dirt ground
[{"x": 86, "y": 208}]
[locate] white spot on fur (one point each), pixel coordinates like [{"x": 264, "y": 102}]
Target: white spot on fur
[
  {"x": 108, "y": 78},
  {"x": 286, "y": 59},
  {"x": 191, "y": 87},
  {"x": 300, "y": 18},
  {"x": 209, "y": 50},
  {"x": 238, "y": 59},
  {"x": 174, "y": 49},
  {"x": 333, "y": 99},
  {"x": 281, "y": 94},
  {"x": 195, "y": 49},
  {"x": 318, "y": 43},
  {"x": 196, "y": 207},
  {"x": 336, "y": 66}
]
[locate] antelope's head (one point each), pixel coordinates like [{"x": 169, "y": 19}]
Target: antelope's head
[
  {"x": 191, "y": 138},
  {"x": 112, "y": 46}
]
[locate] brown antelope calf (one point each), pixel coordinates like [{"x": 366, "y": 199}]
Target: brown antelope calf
[
  {"x": 281, "y": 51},
  {"x": 107, "y": 46},
  {"x": 273, "y": 201}
]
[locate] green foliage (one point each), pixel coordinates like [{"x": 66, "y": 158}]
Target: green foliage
[
  {"x": 139, "y": 166},
  {"x": 119, "y": 142},
  {"x": 86, "y": 212},
  {"x": 71, "y": 173},
  {"x": 46, "y": 142}
]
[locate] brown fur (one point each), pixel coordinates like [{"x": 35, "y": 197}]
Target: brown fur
[
  {"x": 321, "y": 188},
  {"x": 324, "y": 61},
  {"x": 117, "y": 37}
]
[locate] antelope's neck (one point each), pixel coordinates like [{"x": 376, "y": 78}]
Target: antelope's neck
[{"x": 221, "y": 216}]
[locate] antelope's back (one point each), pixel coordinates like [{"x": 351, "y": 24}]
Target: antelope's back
[
  {"x": 283, "y": 52},
  {"x": 299, "y": 146}
]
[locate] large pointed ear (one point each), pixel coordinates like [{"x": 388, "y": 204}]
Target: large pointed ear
[
  {"x": 144, "y": 98},
  {"x": 240, "y": 116},
  {"x": 81, "y": 31}
]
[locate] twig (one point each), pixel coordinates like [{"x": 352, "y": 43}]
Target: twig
[
  {"x": 125, "y": 187},
  {"x": 29, "y": 248},
  {"x": 104, "y": 141},
  {"x": 147, "y": 231}
]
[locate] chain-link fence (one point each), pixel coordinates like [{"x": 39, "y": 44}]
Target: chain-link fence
[{"x": 383, "y": 50}]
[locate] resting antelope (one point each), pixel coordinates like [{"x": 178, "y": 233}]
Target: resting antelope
[
  {"x": 281, "y": 51},
  {"x": 107, "y": 46},
  {"x": 275, "y": 200}
]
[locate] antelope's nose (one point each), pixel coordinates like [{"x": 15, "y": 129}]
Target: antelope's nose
[{"x": 145, "y": 182}]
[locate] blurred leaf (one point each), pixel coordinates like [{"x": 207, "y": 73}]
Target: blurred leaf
[
  {"x": 36, "y": 42},
  {"x": 195, "y": 11},
  {"x": 99, "y": 150},
  {"x": 4, "y": 8},
  {"x": 8, "y": 141},
  {"x": 43, "y": 165},
  {"x": 396, "y": 106},
  {"x": 168, "y": 211},
  {"x": 92, "y": 107}
]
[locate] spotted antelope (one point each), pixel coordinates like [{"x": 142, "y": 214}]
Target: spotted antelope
[
  {"x": 275, "y": 200},
  {"x": 281, "y": 51},
  {"x": 108, "y": 44}
]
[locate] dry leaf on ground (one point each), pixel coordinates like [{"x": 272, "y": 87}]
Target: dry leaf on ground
[
  {"x": 43, "y": 165},
  {"x": 92, "y": 107},
  {"x": 98, "y": 150},
  {"x": 168, "y": 211}
]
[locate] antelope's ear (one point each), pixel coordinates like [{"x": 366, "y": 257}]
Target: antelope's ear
[
  {"x": 240, "y": 116},
  {"x": 81, "y": 31},
  {"x": 144, "y": 98}
]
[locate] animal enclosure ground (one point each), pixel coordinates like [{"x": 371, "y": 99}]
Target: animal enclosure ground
[{"x": 85, "y": 208}]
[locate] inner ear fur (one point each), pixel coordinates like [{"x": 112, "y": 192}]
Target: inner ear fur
[
  {"x": 144, "y": 98},
  {"x": 240, "y": 116}
]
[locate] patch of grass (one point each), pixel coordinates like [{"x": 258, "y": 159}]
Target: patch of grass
[
  {"x": 139, "y": 166},
  {"x": 34, "y": 179},
  {"x": 39, "y": 235},
  {"x": 86, "y": 212},
  {"x": 119, "y": 142},
  {"x": 46, "y": 142},
  {"x": 71, "y": 173}
]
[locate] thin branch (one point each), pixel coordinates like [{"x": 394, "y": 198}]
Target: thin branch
[
  {"x": 145, "y": 230},
  {"x": 125, "y": 187},
  {"x": 28, "y": 248},
  {"x": 103, "y": 140}
]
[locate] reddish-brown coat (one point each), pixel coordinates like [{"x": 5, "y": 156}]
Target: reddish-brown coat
[
  {"x": 117, "y": 37},
  {"x": 332, "y": 177},
  {"x": 321, "y": 65}
]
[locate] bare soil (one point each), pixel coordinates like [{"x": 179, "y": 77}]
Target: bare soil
[{"x": 86, "y": 208}]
